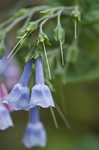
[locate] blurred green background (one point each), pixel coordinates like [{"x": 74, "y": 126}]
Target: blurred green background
[{"x": 79, "y": 102}]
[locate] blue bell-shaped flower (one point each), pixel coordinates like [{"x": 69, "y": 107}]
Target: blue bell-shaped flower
[
  {"x": 18, "y": 98},
  {"x": 41, "y": 94},
  {"x": 35, "y": 134}
]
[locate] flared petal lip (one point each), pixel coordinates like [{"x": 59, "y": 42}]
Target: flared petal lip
[
  {"x": 14, "y": 103},
  {"x": 31, "y": 134},
  {"x": 30, "y": 106},
  {"x": 7, "y": 126},
  {"x": 16, "y": 108},
  {"x": 41, "y": 96},
  {"x": 6, "y": 120}
]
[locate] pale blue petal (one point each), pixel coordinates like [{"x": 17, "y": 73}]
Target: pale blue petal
[
  {"x": 18, "y": 99},
  {"x": 41, "y": 96},
  {"x": 35, "y": 135},
  {"x": 5, "y": 119}
]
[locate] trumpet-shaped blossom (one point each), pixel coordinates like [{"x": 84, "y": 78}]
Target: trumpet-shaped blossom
[
  {"x": 35, "y": 134},
  {"x": 41, "y": 95},
  {"x": 19, "y": 96}
]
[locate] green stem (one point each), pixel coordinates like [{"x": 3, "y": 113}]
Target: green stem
[{"x": 47, "y": 61}]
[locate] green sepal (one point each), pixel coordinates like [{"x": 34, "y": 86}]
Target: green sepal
[
  {"x": 33, "y": 54},
  {"x": 36, "y": 54},
  {"x": 76, "y": 14},
  {"x": 32, "y": 27},
  {"x": 59, "y": 33},
  {"x": 43, "y": 38}
]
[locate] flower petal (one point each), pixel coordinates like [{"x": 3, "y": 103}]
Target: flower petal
[
  {"x": 18, "y": 98},
  {"x": 41, "y": 96},
  {"x": 5, "y": 119},
  {"x": 35, "y": 135}
]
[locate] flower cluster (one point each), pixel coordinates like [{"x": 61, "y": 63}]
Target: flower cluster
[
  {"x": 20, "y": 96},
  {"x": 20, "y": 99}
]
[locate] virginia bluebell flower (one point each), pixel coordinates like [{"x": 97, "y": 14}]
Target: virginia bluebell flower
[
  {"x": 41, "y": 95},
  {"x": 35, "y": 134},
  {"x": 5, "y": 119},
  {"x": 19, "y": 96}
]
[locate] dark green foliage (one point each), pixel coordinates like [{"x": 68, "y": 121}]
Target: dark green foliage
[{"x": 51, "y": 26}]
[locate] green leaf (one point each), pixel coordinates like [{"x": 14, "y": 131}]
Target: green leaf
[
  {"x": 86, "y": 68},
  {"x": 91, "y": 17}
]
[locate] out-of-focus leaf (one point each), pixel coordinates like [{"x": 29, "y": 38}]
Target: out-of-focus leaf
[
  {"x": 91, "y": 17},
  {"x": 86, "y": 68}
]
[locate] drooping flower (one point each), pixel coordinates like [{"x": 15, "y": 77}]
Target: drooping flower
[
  {"x": 35, "y": 134},
  {"x": 4, "y": 94},
  {"x": 41, "y": 95},
  {"x": 5, "y": 119},
  {"x": 19, "y": 96}
]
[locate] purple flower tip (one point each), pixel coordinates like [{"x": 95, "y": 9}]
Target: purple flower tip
[{"x": 35, "y": 135}]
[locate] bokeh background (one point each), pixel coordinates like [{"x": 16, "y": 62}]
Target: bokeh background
[{"x": 78, "y": 101}]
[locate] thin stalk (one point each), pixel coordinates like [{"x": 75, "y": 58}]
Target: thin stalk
[
  {"x": 75, "y": 29},
  {"x": 62, "y": 54},
  {"x": 47, "y": 61},
  {"x": 16, "y": 46},
  {"x": 54, "y": 118},
  {"x": 62, "y": 116}
]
